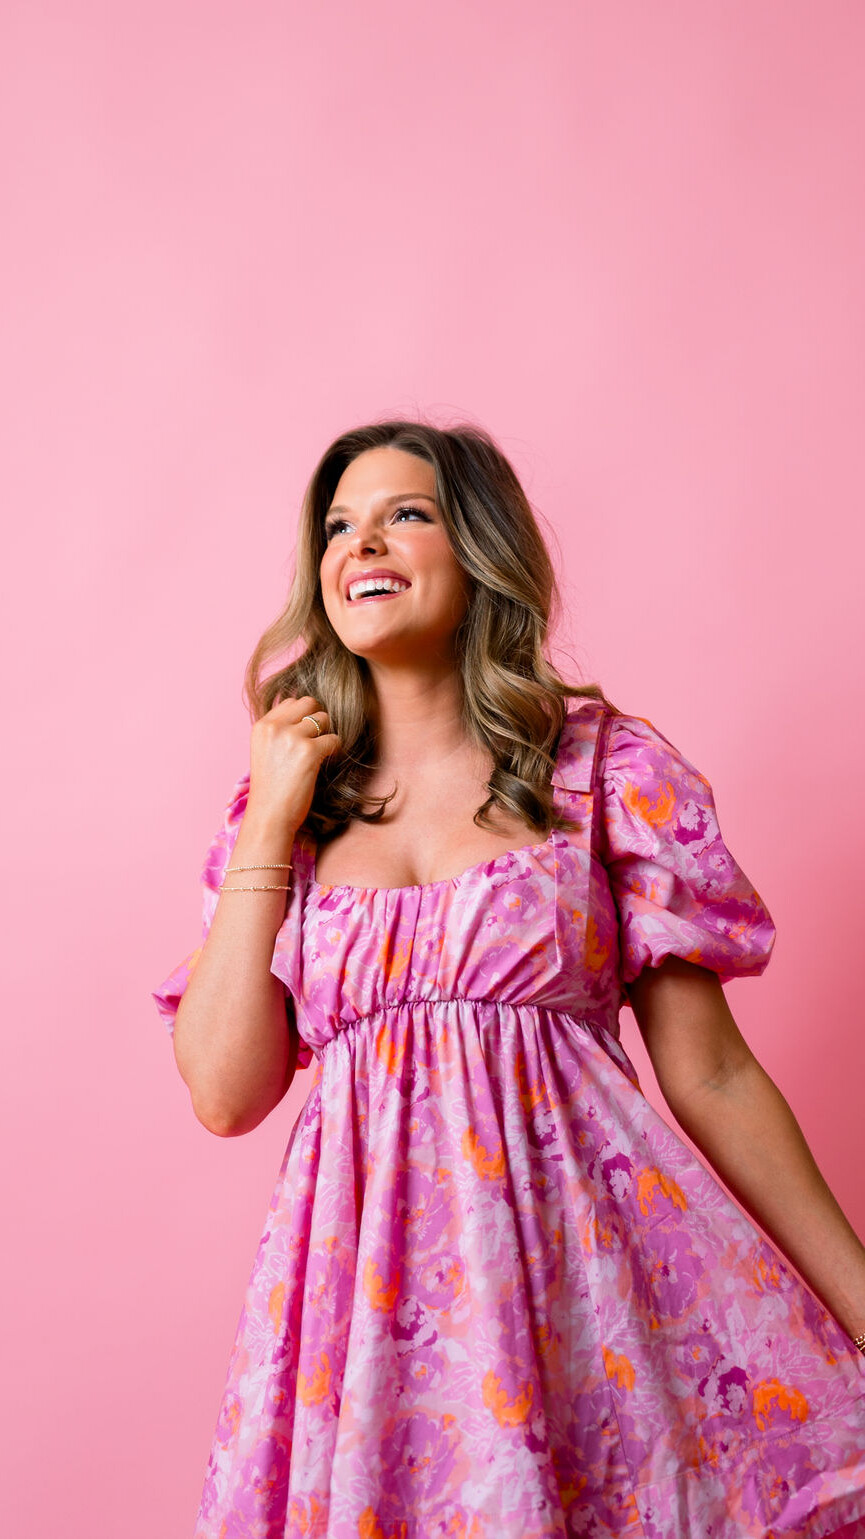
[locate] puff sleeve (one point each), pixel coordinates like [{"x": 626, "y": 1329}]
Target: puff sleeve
[
  {"x": 170, "y": 992},
  {"x": 678, "y": 890}
]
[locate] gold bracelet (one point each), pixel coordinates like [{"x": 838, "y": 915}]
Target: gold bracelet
[
  {"x": 277, "y": 866},
  {"x": 278, "y": 887},
  {"x": 859, "y": 1341}
]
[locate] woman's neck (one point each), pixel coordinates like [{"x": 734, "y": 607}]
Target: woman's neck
[{"x": 418, "y": 719}]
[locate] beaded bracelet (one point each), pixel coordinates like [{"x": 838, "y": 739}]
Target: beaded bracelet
[
  {"x": 278, "y": 865},
  {"x": 859, "y": 1341},
  {"x": 266, "y": 887}
]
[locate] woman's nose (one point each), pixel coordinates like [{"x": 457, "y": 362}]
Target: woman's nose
[{"x": 368, "y": 540}]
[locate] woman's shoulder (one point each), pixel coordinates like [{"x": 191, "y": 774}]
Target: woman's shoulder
[
  {"x": 626, "y": 748},
  {"x": 623, "y": 724},
  {"x": 578, "y": 741},
  {"x": 584, "y": 711},
  {"x": 638, "y": 749}
]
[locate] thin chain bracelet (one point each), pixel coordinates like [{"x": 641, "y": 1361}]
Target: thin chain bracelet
[
  {"x": 859, "y": 1341},
  {"x": 276, "y": 866},
  {"x": 278, "y": 887}
]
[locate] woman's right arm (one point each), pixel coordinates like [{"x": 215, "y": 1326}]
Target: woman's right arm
[{"x": 235, "y": 1041}]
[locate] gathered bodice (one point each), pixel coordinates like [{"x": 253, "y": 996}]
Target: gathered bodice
[{"x": 534, "y": 926}]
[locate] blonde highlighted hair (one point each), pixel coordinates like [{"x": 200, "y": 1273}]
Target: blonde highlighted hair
[{"x": 514, "y": 700}]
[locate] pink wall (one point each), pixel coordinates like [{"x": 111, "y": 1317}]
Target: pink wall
[{"x": 625, "y": 238}]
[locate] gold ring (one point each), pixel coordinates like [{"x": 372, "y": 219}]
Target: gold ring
[{"x": 314, "y": 723}]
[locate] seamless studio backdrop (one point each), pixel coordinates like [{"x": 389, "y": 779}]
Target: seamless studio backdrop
[{"x": 626, "y": 239}]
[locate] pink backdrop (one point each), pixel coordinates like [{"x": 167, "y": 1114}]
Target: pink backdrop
[{"x": 628, "y": 240}]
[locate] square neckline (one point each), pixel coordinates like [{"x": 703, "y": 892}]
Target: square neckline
[{"x": 442, "y": 881}]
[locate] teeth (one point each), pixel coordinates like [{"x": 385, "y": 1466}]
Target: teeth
[{"x": 376, "y": 585}]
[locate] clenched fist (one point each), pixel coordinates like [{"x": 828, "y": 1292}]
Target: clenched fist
[{"x": 285, "y": 755}]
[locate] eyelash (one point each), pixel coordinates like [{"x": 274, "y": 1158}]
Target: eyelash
[{"x": 330, "y": 529}]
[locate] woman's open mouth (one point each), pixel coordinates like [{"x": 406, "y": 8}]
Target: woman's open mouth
[{"x": 368, "y": 588}]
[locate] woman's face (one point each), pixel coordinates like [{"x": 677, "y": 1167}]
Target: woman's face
[{"x": 384, "y": 524}]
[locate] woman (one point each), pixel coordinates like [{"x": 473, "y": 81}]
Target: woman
[{"x": 496, "y": 1294}]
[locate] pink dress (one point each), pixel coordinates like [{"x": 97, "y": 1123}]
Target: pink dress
[{"x": 496, "y": 1297}]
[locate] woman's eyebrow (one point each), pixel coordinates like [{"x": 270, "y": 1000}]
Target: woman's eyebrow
[{"x": 397, "y": 497}]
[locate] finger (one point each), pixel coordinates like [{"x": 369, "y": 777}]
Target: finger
[
  {"x": 283, "y": 702},
  {"x": 296, "y": 705},
  {"x": 307, "y": 705},
  {"x": 317, "y": 720}
]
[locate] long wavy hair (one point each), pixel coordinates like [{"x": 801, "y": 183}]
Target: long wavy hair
[{"x": 513, "y": 699}]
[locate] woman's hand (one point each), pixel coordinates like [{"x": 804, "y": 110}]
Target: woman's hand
[{"x": 285, "y": 757}]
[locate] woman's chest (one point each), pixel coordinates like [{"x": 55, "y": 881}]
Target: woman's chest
[{"x": 424, "y": 842}]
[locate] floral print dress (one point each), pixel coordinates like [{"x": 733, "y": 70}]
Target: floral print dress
[{"x": 496, "y": 1296}]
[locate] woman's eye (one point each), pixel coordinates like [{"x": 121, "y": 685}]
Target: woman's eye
[{"x": 339, "y": 523}]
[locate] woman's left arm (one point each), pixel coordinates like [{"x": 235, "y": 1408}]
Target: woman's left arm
[{"x": 738, "y": 1119}]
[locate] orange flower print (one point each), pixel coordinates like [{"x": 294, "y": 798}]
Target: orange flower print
[
  {"x": 275, "y": 1305},
  {"x": 596, "y": 950},
  {"x": 655, "y": 813},
  {"x": 377, "y": 1292},
  {"x": 313, "y": 1388},
  {"x": 394, "y": 957},
  {"x": 771, "y": 1395},
  {"x": 532, "y": 1094},
  {"x": 619, "y": 1370},
  {"x": 652, "y": 1182},
  {"x": 368, "y": 1527},
  {"x": 389, "y": 1051},
  {"x": 508, "y": 1413},
  {"x": 486, "y": 1165}
]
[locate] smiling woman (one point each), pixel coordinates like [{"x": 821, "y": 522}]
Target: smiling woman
[{"x": 496, "y": 1294}]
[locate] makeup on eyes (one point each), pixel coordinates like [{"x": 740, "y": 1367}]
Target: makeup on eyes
[{"x": 331, "y": 525}]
